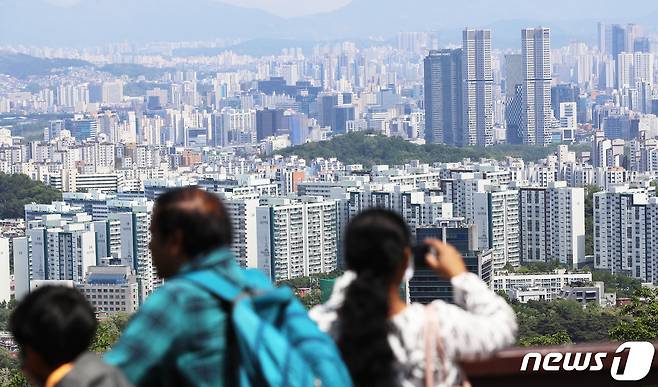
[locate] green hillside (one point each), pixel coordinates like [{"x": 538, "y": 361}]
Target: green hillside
[
  {"x": 18, "y": 190},
  {"x": 372, "y": 149}
]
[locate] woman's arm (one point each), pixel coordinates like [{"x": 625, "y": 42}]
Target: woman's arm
[{"x": 483, "y": 322}]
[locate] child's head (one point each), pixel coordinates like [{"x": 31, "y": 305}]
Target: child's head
[{"x": 52, "y": 326}]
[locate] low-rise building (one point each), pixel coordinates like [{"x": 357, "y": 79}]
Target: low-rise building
[
  {"x": 589, "y": 292},
  {"x": 528, "y": 294},
  {"x": 552, "y": 282},
  {"x": 111, "y": 289}
]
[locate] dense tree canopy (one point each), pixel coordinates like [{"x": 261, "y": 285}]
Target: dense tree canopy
[
  {"x": 641, "y": 323},
  {"x": 308, "y": 288},
  {"x": 10, "y": 370},
  {"x": 18, "y": 190},
  {"x": 108, "y": 332},
  {"x": 622, "y": 285},
  {"x": 558, "y": 338},
  {"x": 581, "y": 325},
  {"x": 373, "y": 149}
]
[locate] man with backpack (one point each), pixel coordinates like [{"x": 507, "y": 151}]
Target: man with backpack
[{"x": 212, "y": 323}]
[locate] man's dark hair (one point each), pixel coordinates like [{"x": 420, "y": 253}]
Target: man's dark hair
[
  {"x": 56, "y": 322},
  {"x": 199, "y": 216}
]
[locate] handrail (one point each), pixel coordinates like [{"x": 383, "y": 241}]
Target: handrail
[{"x": 504, "y": 368}]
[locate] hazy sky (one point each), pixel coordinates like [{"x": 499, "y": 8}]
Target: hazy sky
[
  {"x": 278, "y": 7},
  {"x": 291, "y": 7}
]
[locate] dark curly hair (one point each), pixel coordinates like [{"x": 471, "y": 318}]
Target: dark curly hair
[{"x": 375, "y": 243}]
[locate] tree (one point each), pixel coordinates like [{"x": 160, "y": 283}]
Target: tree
[
  {"x": 5, "y": 312},
  {"x": 641, "y": 323},
  {"x": 540, "y": 267},
  {"x": 312, "y": 294},
  {"x": 371, "y": 149},
  {"x": 558, "y": 338},
  {"x": 541, "y": 318},
  {"x": 18, "y": 190},
  {"x": 509, "y": 268},
  {"x": 8, "y": 360},
  {"x": 18, "y": 380},
  {"x": 10, "y": 370},
  {"x": 311, "y": 282},
  {"x": 623, "y": 285},
  {"x": 312, "y": 298},
  {"x": 108, "y": 332}
]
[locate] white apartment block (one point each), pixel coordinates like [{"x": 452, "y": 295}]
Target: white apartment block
[
  {"x": 626, "y": 232},
  {"x": 5, "y": 286},
  {"x": 552, "y": 282},
  {"x": 54, "y": 249},
  {"x": 108, "y": 239},
  {"x": 552, "y": 224},
  {"x": 243, "y": 220},
  {"x": 135, "y": 252},
  {"x": 421, "y": 209},
  {"x": 497, "y": 221},
  {"x": 460, "y": 192},
  {"x": 297, "y": 238}
]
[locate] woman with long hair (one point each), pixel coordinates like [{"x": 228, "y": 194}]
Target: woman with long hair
[{"x": 387, "y": 343}]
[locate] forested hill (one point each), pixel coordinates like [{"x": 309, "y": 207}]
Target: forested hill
[
  {"x": 372, "y": 149},
  {"x": 18, "y": 190}
]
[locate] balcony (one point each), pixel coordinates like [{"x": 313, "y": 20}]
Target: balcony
[{"x": 504, "y": 369}]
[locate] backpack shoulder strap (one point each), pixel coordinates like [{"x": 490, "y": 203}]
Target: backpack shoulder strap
[
  {"x": 215, "y": 284},
  {"x": 226, "y": 292}
]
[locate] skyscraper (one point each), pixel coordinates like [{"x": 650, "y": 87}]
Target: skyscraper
[
  {"x": 443, "y": 97},
  {"x": 564, "y": 92},
  {"x": 340, "y": 116},
  {"x": 632, "y": 32},
  {"x": 112, "y": 92},
  {"x": 601, "y": 36},
  {"x": 617, "y": 40},
  {"x": 478, "y": 88},
  {"x": 269, "y": 122},
  {"x": 642, "y": 44},
  {"x": 514, "y": 98},
  {"x": 536, "y": 57},
  {"x": 625, "y": 76},
  {"x": 643, "y": 67}
]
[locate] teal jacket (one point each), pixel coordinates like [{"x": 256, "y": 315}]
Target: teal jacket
[{"x": 178, "y": 336}]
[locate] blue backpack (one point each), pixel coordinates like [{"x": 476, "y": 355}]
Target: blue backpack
[{"x": 274, "y": 341}]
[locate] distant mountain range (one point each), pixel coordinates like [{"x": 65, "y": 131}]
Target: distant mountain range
[
  {"x": 22, "y": 66},
  {"x": 110, "y": 21}
]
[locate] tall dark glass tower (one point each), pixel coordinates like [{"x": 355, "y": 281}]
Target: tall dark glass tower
[{"x": 443, "y": 97}]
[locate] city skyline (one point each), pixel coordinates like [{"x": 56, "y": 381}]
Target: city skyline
[{"x": 530, "y": 145}]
